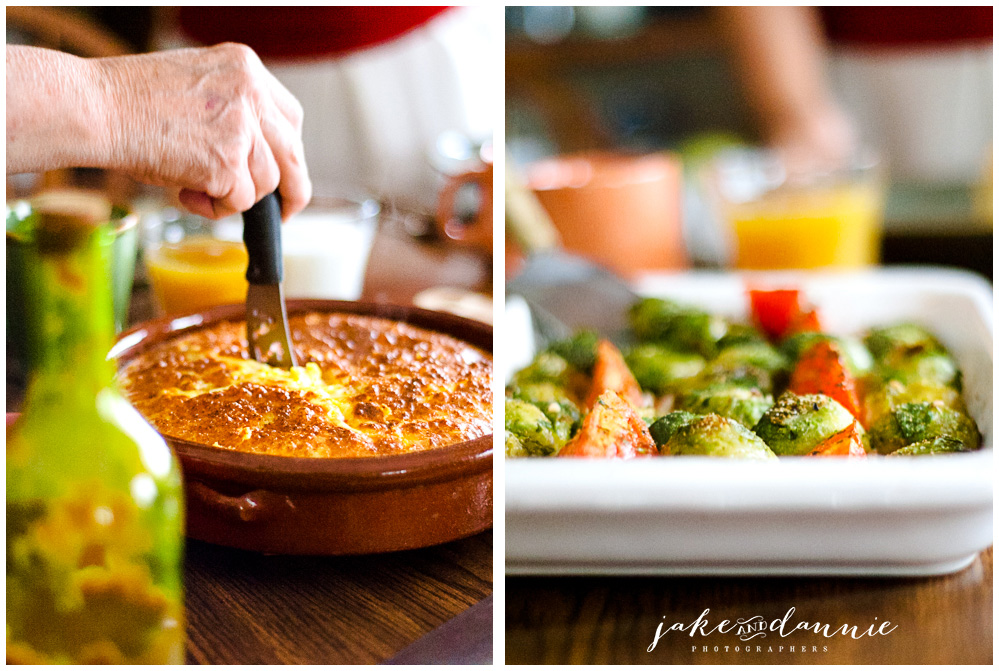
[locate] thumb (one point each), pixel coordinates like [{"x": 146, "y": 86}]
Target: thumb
[{"x": 198, "y": 202}]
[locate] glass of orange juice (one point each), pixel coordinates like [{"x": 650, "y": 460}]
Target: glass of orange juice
[
  {"x": 195, "y": 263},
  {"x": 782, "y": 217}
]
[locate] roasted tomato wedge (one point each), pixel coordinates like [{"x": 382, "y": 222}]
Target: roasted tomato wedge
[
  {"x": 611, "y": 372},
  {"x": 612, "y": 429},
  {"x": 846, "y": 443},
  {"x": 822, "y": 369},
  {"x": 780, "y": 312}
]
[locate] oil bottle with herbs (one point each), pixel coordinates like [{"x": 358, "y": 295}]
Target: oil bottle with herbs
[{"x": 94, "y": 508}]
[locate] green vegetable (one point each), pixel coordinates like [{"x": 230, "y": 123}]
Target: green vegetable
[
  {"x": 514, "y": 448},
  {"x": 796, "y": 425},
  {"x": 531, "y": 427},
  {"x": 715, "y": 436},
  {"x": 741, "y": 334},
  {"x": 885, "y": 396},
  {"x": 552, "y": 400},
  {"x": 683, "y": 328},
  {"x": 761, "y": 355},
  {"x": 758, "y": 365},
  {"x": 743, "y": 404},
  {"x": 657, "y": 367},
  {"x": 546, "y": 367},
  {"x": 928, "y": 367},
  {"x": 722, "y": 374},
  {"x": 580, "y": 350},
  {"x": 663, "y": 428},
  {"x": 890, "y": 343},
  {"x": 931, "y": 446},
  {"x": 917, "y": 422}
]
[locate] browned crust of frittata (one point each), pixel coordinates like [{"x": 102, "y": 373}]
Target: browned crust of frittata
[{"x": 377, "y": 387}]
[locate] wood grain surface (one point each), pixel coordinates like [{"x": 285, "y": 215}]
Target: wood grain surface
[
  {"x": 603, "y": 620},
  {"x": 247, "y": 608}
]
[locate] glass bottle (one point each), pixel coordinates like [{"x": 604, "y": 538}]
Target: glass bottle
[{"x": 94, "y": 511}]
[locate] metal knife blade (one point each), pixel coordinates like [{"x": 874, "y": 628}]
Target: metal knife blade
[
  {"x": 565, "y": 292},
  {"x": 266, "y": 316}
]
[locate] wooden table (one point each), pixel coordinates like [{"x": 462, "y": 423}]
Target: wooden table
[
  {"x": 247, "y": 608},
  {"x": 604, "y": 620}
]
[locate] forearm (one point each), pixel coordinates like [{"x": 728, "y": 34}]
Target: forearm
[
  {"x": 778, "y": 54},
  {"x": 57, "y": 112}
]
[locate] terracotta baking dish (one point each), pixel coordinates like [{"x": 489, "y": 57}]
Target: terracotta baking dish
[{"x": 291, "y": 505}]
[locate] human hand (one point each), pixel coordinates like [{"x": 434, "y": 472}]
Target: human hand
[
  {"x": 212, "y": 121},
  {"x": 823, "y": 139}
]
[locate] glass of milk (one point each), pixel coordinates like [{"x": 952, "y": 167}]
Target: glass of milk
[{"x": 326, "y": 247}]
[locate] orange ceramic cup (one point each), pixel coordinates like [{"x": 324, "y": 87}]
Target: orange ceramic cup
[
  {"x": 621, "y": 211},
  {"x": 477, "y": 233}
]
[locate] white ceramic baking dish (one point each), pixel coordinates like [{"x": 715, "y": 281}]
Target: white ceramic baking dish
[{"x": 799, "y": 516}]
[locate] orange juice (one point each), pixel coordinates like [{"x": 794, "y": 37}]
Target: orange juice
[
  {"x": 831, "y": 226},
  {"x": 197, "y": 273}
]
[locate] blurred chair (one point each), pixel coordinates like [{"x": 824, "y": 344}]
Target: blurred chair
[{"x": 72, "y": 32}]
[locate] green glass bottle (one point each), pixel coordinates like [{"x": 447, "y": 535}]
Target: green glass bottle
[{"x": 94, "y": 508}]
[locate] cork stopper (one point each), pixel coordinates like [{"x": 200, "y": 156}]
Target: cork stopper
[{"x": 65, "y": 218}]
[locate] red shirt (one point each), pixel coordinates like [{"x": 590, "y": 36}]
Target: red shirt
[
  {"x": 297, "y": 32},
  {"x": 907, "y": 26}
]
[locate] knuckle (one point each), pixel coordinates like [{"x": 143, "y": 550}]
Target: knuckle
[
  {"x": 232, "y": 157},
  {"x": 240, "y": 53},
  {"x": 271, "y": 180},
  {"x": 240, "y": 200},
  {"x": 218, "y": 184}
]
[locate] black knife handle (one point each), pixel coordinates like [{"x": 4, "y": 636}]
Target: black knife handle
[{"x": 262, "y": 235}]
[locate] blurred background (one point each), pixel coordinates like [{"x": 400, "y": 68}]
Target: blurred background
[{"x": 801, "y": 137}]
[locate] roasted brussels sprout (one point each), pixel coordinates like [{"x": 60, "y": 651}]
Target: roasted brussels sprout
[
  {"x": 657, "y": 367},
  {"x": 748, "y": 365},
  {"x": 930, "y": 367},
  {"x": 884, "y": 396},
  {"x": 683, "y": 328},
  {"x": 552, "y": 400},
  {"x": 551, "y": 368},
  {"x": 546, "y": 367},
  {"x": 901, "y": 340},
  {"x": 727, "y": 375},
  {"x": 663, "y": 428},
  {"x": 513, "y": 446},
  {"x": 932, "y": 446},
  {"x": 760, "y": 354},
  {"x": 917, "y": 422},
  {"x": 580, "y": 350},
  {"x": 743, "y": 404},
  {"x": 651, "y": 318},
  {"x": 741, "y": 334},
  {"x": 538, "y": 393},
  {"x": 796, "y": 425},
  {"x": 531, "y": 427},
  {"x": 715, "y": 436}
]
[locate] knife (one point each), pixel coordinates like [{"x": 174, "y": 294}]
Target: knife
[{"x": 266, "y": 318}]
